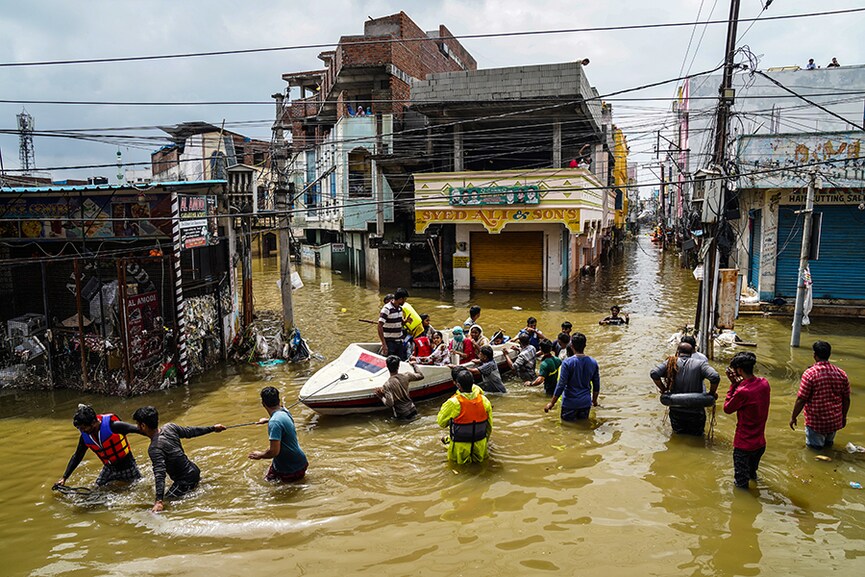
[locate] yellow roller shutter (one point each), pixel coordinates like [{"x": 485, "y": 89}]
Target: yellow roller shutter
[{"x": 507, "y": 261}]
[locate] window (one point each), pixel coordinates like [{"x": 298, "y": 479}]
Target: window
[{"x": 359, "y": 173}]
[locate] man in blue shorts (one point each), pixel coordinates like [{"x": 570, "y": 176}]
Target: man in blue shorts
[
  {"x": 579, "y": 383},
  {"x": 289, "y": 463}
]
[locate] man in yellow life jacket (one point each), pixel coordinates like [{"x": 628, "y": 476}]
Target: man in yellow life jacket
[
  {"x": 105, "y": 435},
  {"x": 469, "y": 416}
]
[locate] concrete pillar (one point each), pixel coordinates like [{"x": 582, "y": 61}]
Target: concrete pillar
[
  {"x": 557, "y": 145},
  {"x": 458, "y": 148},
  {"x": 769, "y": 246}
]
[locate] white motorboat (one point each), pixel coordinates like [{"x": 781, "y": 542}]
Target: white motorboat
[{"x": 347, "y": 385}]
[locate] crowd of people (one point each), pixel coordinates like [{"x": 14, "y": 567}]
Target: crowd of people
[
  {"x": 106, "y": 435},
  {"x": 567, "y": 373}
]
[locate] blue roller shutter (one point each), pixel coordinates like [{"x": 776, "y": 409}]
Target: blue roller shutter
[
  {"x": 756, "y": 244},
  {"x": 840, "y": 271}
]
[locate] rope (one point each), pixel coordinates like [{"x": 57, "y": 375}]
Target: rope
[
  {"x": 242, "y": 425},
  {"x": 711, "y": 435},
  {"x": 64, "y": 490}
]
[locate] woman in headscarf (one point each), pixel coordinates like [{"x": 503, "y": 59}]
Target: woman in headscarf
[
  {"x": 460, "y": 346},
  {"x": 476, "y": 334}
]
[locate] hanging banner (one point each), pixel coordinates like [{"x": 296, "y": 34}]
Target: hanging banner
[
  {"x": 143, "y": 330},
  {"x": 197, "y": 220},
  {"x": 101, "y": 217}
]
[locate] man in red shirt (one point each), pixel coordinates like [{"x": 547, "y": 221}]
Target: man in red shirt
[
  {"x": 824, "y": 393},
  {"x": 748, "y": 397}
]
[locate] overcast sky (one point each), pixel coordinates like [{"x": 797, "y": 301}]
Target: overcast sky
[{"x": 35, "y": 30}]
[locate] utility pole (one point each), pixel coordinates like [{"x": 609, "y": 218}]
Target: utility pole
[
  {"x": 283, "y": 205},
  {"x": 803, "y": 259},
  {"x": 379, "y": 180},
  {"x": 711, "y": 259},
  {"x": 662, "y": 195}
]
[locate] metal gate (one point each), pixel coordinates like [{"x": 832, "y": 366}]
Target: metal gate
[
  {"x": 754, "y": 249},
  {"x": 507, "y": 261},
  {"x": 839, "y": 273}
]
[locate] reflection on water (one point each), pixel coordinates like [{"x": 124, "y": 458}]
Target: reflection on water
[{"x": 616, "y": 495}]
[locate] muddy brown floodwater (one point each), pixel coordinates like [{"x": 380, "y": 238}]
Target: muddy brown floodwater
[{"x": 617, "y": 496}]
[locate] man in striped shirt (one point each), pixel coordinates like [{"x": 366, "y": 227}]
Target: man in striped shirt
[
  {"x": 390, "y": 323},
  {"x": 824, "y": 393}
]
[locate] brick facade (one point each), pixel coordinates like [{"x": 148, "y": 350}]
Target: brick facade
[{"x": 393, "y": 40}]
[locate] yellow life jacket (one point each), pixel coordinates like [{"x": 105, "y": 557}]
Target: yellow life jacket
[{"x": 411, "y": 320}]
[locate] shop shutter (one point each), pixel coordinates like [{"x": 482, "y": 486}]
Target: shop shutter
[
  {"x": 507, "y": 261},
  {"x": 756, "y": 243},
  {"x": 840, "y": 271}
]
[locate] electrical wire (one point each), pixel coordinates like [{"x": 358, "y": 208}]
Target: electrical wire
[{"x": 414, "y": 40}]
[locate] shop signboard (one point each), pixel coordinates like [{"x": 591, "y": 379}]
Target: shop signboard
[
  {"x": 197, "y": 214},
  {"x": 143, "y": 330},
  {"x": 495, "y": 219},
  {"x": 70, "y": 217},
  {"x": 495, "y": 195}
]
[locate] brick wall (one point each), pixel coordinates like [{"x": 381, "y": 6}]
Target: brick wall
[
  {"x": 419, "y": 57},
  {"x": 163, "y": 160}
]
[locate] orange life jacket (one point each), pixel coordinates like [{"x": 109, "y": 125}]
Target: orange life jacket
[
  {"x": 110, "y": 447},
  {"x": 470, "y": 425}
]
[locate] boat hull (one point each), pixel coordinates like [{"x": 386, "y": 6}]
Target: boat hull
[{"x": 364, "y": 370}]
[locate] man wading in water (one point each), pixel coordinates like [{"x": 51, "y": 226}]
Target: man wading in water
[
  {"x": 105, "y": 435},
  {"x": 469, "y": 416},
  {"x": 166, "y": 454},
  {"x": 289, "y": 463},
  {"x": 683, "y": 373}
]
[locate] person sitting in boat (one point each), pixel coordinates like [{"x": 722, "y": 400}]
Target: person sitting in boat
[
  {"x": 476, "y": 334},
  {"x": 499, "y": 338},
  {"x": 469, "y": 416},
  {"x": 394, "y": 393},
  {"x": 614, "y": 318},
  {"x": 531, "y": 329},
  {"x": 438, "y": 354},
  {"x": 488, "y": 372},
  {"x": 428, "y": 329},
  {"x": 524, "y": 364},
  {"x": 461, "y": 346},
  {"x": 474, "y": 315}
]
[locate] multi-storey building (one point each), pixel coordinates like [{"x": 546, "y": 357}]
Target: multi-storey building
[{"x": 777, "y": 139}]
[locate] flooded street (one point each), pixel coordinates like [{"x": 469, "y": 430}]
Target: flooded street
[{"x": 618, "y": 496}]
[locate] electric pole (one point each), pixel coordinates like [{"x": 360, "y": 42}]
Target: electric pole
[
  {"x": 711, "y": 260},
  {"x": 283, "y": 205},
  {"x": 803, "y": 259}
]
